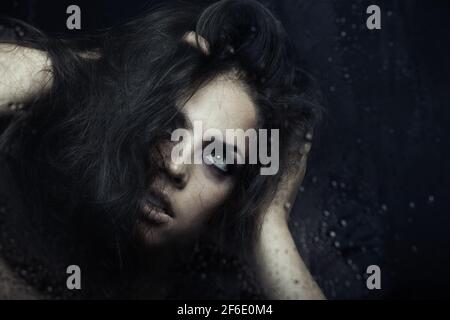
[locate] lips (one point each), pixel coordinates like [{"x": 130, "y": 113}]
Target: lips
[{"x": 156, "y": 208}]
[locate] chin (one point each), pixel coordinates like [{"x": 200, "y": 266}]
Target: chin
[
  {"x": 152, "y": 236},
  {"x": 162, "y": 235}
]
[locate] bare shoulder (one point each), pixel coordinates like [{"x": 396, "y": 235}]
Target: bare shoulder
[{"x": 25, "y": 73}]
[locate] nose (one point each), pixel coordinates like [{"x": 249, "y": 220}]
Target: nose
[
  {"x": 178, "y": 173},
  {"x": 176, "y": 170}
]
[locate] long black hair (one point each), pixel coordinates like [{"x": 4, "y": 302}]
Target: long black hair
[{"x": 92, "y": 137}]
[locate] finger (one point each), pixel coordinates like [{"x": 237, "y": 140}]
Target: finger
[{"x": 197, "y": 41}]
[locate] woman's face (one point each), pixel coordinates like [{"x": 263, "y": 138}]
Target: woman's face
[{"x": 183, "y": 196}]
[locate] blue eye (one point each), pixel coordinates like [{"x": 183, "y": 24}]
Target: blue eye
[{"x": 218, "y": 162}]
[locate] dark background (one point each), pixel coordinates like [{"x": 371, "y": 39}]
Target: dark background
[{"x": 376, "y": 190}]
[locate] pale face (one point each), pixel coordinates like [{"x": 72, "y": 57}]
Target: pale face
[{"x": 194, "y": 192}]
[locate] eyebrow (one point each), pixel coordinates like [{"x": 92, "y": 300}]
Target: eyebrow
[{"x": 182, "y": 119}]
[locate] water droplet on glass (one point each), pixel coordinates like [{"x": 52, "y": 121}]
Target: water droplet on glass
[
  {"x": 306, "y": 148},
  {"x": 287, "y": 205}
]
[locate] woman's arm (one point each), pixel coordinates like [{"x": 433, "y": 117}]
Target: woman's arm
[
  {"x": 25, "y": 72},
  {"x": 279, "y": 266}
]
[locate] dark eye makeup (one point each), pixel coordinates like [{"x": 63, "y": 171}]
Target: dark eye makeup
[{"x": 217, "y": 162}]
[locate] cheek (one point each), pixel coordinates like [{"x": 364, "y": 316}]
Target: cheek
[{"x": 205, "y": 193}]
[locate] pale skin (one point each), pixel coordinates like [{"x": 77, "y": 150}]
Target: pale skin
[
  {"x": 278, "y": 262},
  {"x": 276, "y": 259},
  {"x": 25, "y": 73}
]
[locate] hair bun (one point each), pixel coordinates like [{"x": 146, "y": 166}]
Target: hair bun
[{"x": 247, "y": 31}]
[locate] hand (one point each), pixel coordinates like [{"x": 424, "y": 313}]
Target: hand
[
  {"x": 280, "y": 206},
  {"x": 278, "y": 264}
]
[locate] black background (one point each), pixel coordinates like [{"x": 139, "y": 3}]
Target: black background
[{"x": 376, "y": 188}]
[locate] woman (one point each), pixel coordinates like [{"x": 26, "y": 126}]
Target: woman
[{"x": 88, "y": 176}]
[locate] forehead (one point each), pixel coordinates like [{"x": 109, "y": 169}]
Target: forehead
[{"x": 222, "y": 104}]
